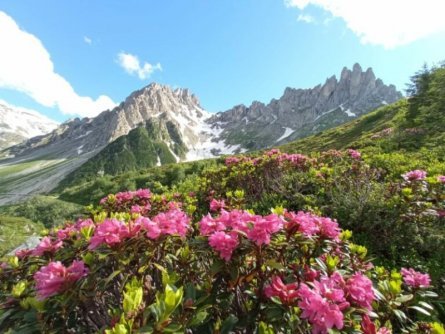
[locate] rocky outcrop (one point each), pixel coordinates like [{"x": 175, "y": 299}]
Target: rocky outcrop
[{"x": 301, "y": 112}]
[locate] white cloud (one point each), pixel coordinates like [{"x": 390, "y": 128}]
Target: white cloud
[
  {"x": 131, "y": 64},
  {"x": 87, "y": 40},
  {"x": 306, "y": 18},
  {"x": 26, "y": 66},
  {"x": 390, "y": 23}
]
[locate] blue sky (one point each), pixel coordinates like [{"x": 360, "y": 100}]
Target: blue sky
[{"x": 227, "y": 52}]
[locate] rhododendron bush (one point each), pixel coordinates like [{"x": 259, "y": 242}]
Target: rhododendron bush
[{"x": 144, "y": 263}]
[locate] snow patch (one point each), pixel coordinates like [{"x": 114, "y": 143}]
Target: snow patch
[
  {"x": 158, "y": 162},
  {"x": 350, "y": 113},
  {"x": 329, "y": 111},
  {"x": 25, "y": 122},
  {"x": 287, "y": 133},
  {"x": 79, "y": 150},
  {"x": 384, "y": 102}
]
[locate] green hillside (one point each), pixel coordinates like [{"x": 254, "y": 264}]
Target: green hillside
[
  {"x": 142, "y": 148},
  {"x": 407, "y": 126}
]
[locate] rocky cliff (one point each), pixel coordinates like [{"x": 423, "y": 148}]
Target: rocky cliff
[{"x": 301, "y": 112}]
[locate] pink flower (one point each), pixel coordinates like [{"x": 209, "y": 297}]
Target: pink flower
[
  {"x": 173, "y": 222},
  {"x": 55, "y": 278},
  {"x": 263, "y": 227},
  {"x": 415, "y": 279},
  {"x": 384, "y": 330},
  {"x": 310, "y": 274},
  {"x": 111, "y": 232},
  {"x": 152, "y": 228},
  {"x": 66, "y": 233},
  {"x": 359, "y": 288},
  {"x": 135, "y": 209},
  {"x": 143, "y": 193},
  {"x": 230, "y": 161},
  {"x": 441, "y": 179},
  {"x": 323, "y": 305},
  {"x": 217, "y": 205},
  {"x": 296, "y": 159},
  {"x": 273, "y": 152},
  {"x": 22, "y": 253},
  {"x": 224, "y": 243},
  {"x": 354, "y": 154},
  {"x": 209, "y": 225},
  {"x": 329, "y": 228},
  {"x": 286, "y": 292},
  {"x": 301, "y": 222},
  {"x": 84, "y": 223},
  {"x": 46, "y": 246},
  {"x": 309, "y": 225},
  {"x": 414, "y": 175},
  {"x": 124, "y": 197},
  {"x": 368, "y": 327}
]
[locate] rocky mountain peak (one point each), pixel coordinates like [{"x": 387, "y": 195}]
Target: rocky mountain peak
[{"x": 301, "y": 112}]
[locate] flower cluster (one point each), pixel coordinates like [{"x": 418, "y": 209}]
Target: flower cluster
[
  {"x": 309, "y": 224},
  {"x": 325, "y": 300},
  {"x": 368, "y": 327},
  {"x": 48, "y": 246},
  {"x": 75, "y": 229},
  {"x": 216, "y": 205},
  {"x": 274, "y": 154},
  {"x": 223, "y": 231},
  {"x": 414, "y": 175},
  {"x": 136, "y": 201},
  {"x": 55, "y": 277},
  {"x": 354, "y": 154},
  {"x": 113, "y": 231},
  {"x": 287, "y": 293},
  {"x": 441, "y": 179},
  {"x": 415, "y": 279},
  {"x": 359, "y": 288},
  {"x": 323, "y": 304}
]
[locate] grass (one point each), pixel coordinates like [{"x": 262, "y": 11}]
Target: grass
[{"x": 15, "y": 230}]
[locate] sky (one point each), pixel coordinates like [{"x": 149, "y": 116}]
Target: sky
[{"x": 69, "y": 59}]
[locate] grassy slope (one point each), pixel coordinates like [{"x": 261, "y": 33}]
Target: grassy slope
[
  {"x": 15, "y": 230},
  {"x": 44, "y": 210}
]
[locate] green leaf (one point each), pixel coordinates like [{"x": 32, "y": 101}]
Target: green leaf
[
  {"x": 274, "y": 264},
  {"x": 421, "y": 310},
  {"x": 199, "y": 318},
  {"x": 228, "y": 324},
  {"x": 426, "y": 305},
  {"x": 263, "y": 328},
  {"x": 111, "y": 276},
  {"x": 404, "y": 298}
]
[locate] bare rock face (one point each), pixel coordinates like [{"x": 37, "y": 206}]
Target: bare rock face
[{"x": 301, "y": 112}]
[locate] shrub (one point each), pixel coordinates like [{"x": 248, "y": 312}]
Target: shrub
[{"x": 146, "y": 263}]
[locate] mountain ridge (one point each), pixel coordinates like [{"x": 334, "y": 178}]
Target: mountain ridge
[{"x": 192, "y": 132}]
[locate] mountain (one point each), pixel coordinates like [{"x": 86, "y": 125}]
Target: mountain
[
  {"x": 18, "y": 124},
  {"x": 302, "y": 112},
  {"x": 172, "y": 126}
]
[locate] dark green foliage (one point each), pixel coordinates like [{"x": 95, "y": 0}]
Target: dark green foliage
[
  {"x": 143, "y": 147},
  {"x": 158, "y": 180},
  {"x": 44, "y": 210}
]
